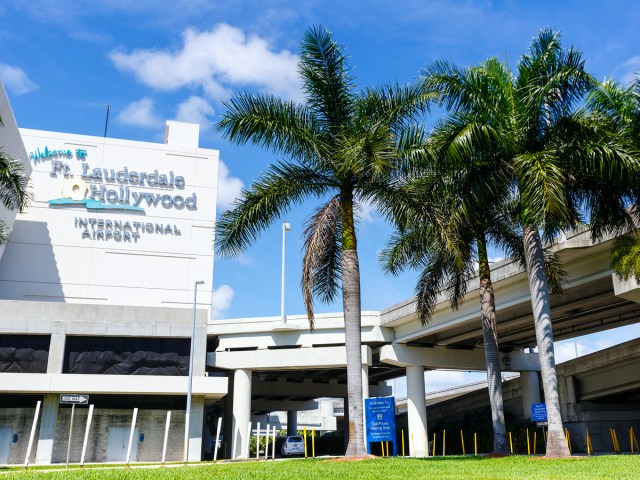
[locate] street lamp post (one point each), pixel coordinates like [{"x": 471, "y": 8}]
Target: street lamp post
[
  {"x": 190, "y": 381},
  {"x": 285, "y": 228}
]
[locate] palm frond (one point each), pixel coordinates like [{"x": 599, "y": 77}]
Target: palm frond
[
  {"x": 14, "y": 183},
  {"x": 269, "y": 122},
  {"x": 322, "y": 263},
  {"x": 266, "y": 200},
  {"x": 327, "y": 81},
  {"x": 625, "y": 256}
]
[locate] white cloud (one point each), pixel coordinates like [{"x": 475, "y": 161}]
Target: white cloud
[
  {"x": 195, "y": 110},
  {"x": 16, "y": 80},
  {"x": 221, "y": 300},
  {"x": 140, "y": 113},
  {"x": 229, "y": 188},
  {"x": 216, "y": 61},
  {"x": 630, "y": 69}
]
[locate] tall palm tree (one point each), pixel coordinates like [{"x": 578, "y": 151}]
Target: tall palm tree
[
  {"x": 438, "y": 235},
  {"x": 14, "y": 192},
  {"x": 555, "y": 154},
  {"x": 440, "y": 232},
  {"x": 342, "y": 147}
]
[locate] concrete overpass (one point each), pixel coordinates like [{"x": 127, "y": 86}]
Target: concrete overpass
[{"x": 266, "y": 359}]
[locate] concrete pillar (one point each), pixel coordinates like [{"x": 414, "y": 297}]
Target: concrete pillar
[
  {"x": 56, "y": 353},
  {"x": 227, "y": 422},
  {"x": 44, "y": 449},
  {"x": 530, "y": 388},
  {"x": 365, "y": 382},
  {"x": 365, "y": 394},
  {"x": 195, "y": 429},
  {"x": 292, "y": 422},
  {"x": 416, "y": 411},
  {"x": 241, "y": 411}
]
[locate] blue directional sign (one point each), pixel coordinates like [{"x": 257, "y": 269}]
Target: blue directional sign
[
  {"x": 380, "y": 417},
  {"x": 539, "y": 412}
]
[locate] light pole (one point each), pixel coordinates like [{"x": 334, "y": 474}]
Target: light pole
[
  {"x": 285, "y": 228},
  {"x": 187, "y": 417}
]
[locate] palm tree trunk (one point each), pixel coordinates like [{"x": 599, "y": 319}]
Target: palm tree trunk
[
  {"x": 352, "y": 330},
  {"x": 491, "y": 352},
  {"x": 556, "y": 443}
]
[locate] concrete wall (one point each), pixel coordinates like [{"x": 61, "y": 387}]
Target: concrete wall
[
  {"x": 150, "y": 422},
  {"x": 53, "y": 257},
  {"x": 19, "y": 420}
]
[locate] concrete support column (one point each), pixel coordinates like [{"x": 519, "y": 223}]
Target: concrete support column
[
  {"x": 292, "y": 422},
  {"x": 56, "y": 353},
  {"x": 365, "y": 395},
  {"x": 416, "y": 412},
  {"x": 195, "y": 429},
  {"x": 227, "y": 422},
  {"x": 241, "y": 411},
  {"x": 44, "y": 449},
  {"x": 530, "y": 388}
]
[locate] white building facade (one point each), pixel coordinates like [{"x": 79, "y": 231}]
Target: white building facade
[{"x": 97, "y": 293}]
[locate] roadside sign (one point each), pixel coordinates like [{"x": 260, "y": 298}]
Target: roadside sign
[
  {"x": 380, "y": 415},
  {"x": 74, "y": 399},
  {"x": 539, "y": 412}
]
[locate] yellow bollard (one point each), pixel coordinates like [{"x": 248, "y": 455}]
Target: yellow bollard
[
  {"x": 387, "y": 445},
  {"x": 510, "y": 443},
  {"x": 313, "y": 443},
  {"x": 444, "y": 442},
  {"x": 462, "y": 439},
  {"x": 528, "y": 446},
  {"x": 614, "y": 440},
  {"x": 305, "y": 442},
  {"x": 475, "y": 443},
  {"x": 534, "y": 442},
  {"x": 588, "y": 443},
  {"x": 567, "y": 438},
  {"x": 631, "y": 439},
  {"x": 434, "y": 445},
  {"x": 635, "y": 440},
  {"x": 402, "y": 442}
]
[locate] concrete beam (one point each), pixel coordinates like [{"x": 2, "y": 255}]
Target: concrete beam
[
  {"x": 311, "y": 389},
  {"x": 282, "y": 405},
  {"x": 285, "y": 359},
  {"x": 441, "y": 357},
  {"x": 209, "y": 387}
]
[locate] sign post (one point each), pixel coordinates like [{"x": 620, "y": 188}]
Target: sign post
[
  {"x": 539, "y": 415},
  {"x": 72, "y": 399},
  {"x": 380, "y": 419}
]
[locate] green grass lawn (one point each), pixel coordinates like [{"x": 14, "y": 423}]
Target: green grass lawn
[{"x": 610, "y": 467}]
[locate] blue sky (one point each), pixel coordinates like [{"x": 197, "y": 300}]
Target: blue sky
[{"x": 62, "y": 61}]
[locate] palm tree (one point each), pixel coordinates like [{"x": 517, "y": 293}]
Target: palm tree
[
  {"x": 618, "y": 109},
  {"x": 437, "y": 235},
  {"x": 14, "y": 193},
  {"x": 439, "y": 231},
  {"x": 343, "y": 148},
  {"x": 555, "y": 155}
]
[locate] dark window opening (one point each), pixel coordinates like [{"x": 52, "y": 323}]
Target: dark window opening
[
  {"x": 24, "y": 353},
  {"x": 127, "y": 356}
]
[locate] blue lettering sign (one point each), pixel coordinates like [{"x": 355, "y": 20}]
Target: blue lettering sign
[
  {"x": 539, "y": 412},
  {"x": 380, "y": 419}
]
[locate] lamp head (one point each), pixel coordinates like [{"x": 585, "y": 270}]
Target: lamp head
[
  {"x": 199, "y": 282},
  {"x": 286, "y": 226}
]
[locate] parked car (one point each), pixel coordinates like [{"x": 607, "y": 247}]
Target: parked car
[{"x": 293, "y": 446}]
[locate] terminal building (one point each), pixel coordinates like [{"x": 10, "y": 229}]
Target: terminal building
[{"x": 98, "y": 292}]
